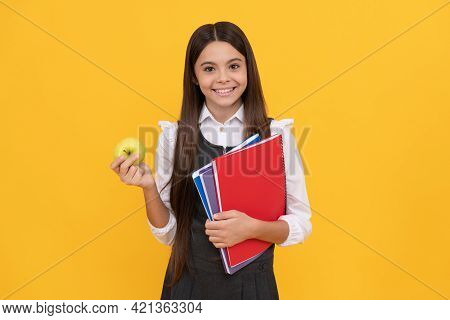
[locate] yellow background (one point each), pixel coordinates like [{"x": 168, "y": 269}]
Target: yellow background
[{"x": 373, "y": 80}]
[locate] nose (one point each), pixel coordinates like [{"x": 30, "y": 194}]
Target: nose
[{"x": 223, "y": 77}]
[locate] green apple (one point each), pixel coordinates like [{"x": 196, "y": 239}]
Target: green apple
[{"x": 130, "y": 146}]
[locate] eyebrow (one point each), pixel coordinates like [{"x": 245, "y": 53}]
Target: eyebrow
[{"x": 210, "y": 62}]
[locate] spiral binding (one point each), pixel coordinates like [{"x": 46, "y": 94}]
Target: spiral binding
[
  {"x": 284, "y": 170},
  {"x": 284, "y": 165}
]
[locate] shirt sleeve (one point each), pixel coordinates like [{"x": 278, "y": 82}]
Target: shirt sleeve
[
  {"x": 298, "y": 211},
  {"x": 164, "y": 167}
]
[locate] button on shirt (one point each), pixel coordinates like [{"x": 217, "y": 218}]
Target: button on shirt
[{"x": 230, "y": 133}]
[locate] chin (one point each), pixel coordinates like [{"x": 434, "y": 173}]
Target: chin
[{"x": 225, "y": 102}]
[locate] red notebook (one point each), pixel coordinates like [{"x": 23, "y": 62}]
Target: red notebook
[{"x": 252, "y": 180}]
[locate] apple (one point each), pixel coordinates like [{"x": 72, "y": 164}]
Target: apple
[{"x": 129, "y": 146}]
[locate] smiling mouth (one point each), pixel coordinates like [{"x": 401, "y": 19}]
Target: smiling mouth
[{"x": 223, "y": 94}]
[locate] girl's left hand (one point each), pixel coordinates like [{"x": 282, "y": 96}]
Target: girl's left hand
[{"x": 229, "y": 228}]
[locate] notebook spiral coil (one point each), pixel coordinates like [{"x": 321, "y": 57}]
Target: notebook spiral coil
[{"x": 285, "y": 175}]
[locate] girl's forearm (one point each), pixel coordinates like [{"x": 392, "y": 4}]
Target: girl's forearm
[
  {"x": 157, "y": 212},
  {"x": 270, "y": 231}
]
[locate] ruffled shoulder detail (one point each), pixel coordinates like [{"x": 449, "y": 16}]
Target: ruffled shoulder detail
[
  {"x": 169, "y": 129},
  {"x": 282, "y": 123},
  {"x": 278, "y": 126}
]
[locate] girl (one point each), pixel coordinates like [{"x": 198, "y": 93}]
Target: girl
[{"x": 222, "y": 105}]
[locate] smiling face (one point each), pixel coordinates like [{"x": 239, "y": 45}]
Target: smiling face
[{"x": 221, "y": 66}]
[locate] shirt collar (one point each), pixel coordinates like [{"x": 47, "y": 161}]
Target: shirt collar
[{"x": 205, "y": 113}]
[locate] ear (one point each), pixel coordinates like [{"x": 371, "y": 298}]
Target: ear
[{"x": 195, "y": 81}]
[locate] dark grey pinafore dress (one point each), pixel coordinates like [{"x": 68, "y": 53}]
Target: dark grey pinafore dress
[{"x": 206, "y": 278}]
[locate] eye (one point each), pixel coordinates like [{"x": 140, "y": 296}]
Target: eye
[{"x": 237, "y": 67}]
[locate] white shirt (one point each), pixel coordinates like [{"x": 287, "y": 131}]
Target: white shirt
[{"x": 230, "y": 133}]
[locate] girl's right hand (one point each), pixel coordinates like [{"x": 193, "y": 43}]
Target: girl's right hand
[{"x": 134, "y": 175}]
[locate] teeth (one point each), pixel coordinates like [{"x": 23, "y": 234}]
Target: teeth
[{"x": 224, "y": 91}]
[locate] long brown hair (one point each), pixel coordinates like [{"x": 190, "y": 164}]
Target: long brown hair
[{"x": 182, "y": 194}]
